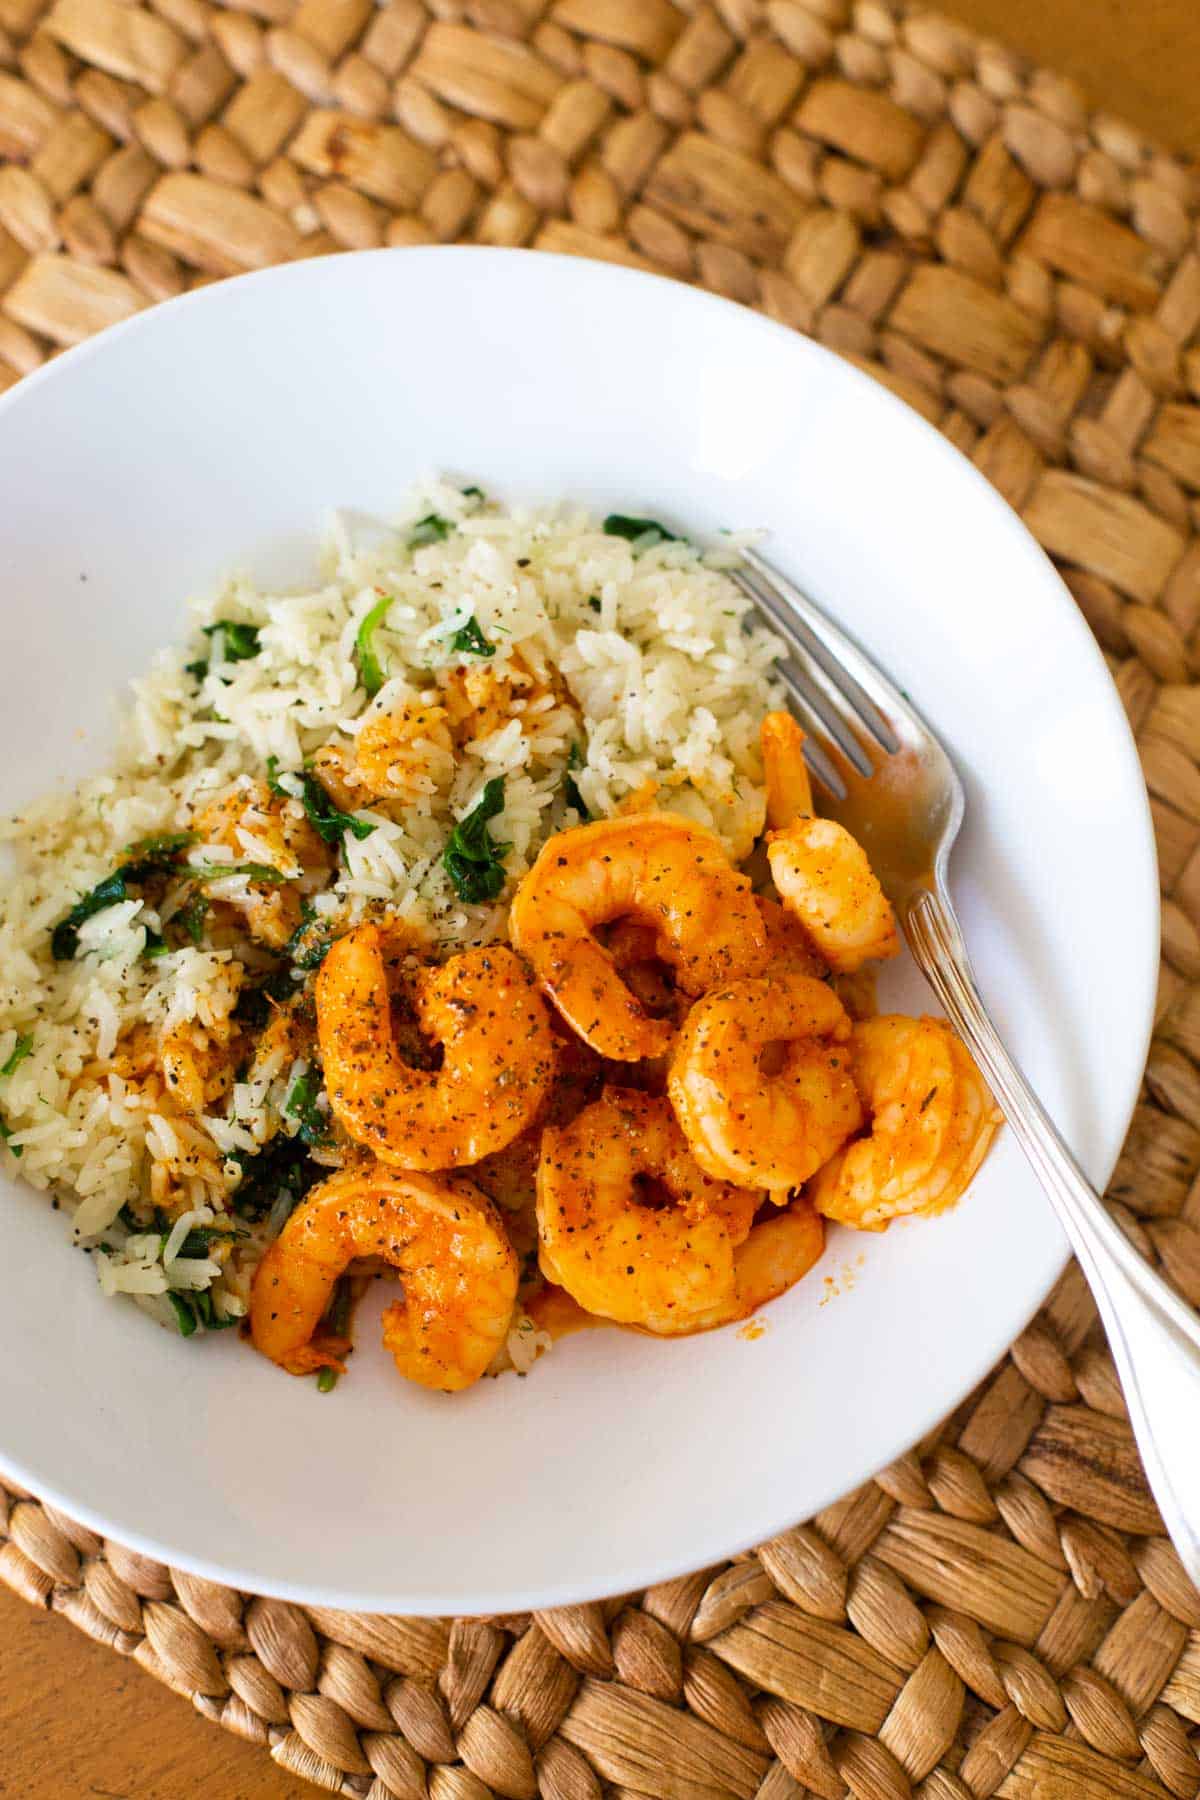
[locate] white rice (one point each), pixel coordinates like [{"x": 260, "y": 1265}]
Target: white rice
[{"x": 658, "y": 677}]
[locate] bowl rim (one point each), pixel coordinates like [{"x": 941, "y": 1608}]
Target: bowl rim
[{"x": 1140, "y": 847}]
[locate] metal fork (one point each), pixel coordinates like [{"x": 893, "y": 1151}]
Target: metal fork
[{"x": 888, "y": 780}]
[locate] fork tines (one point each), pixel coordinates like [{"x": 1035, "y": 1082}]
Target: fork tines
[{"x": 842, "y": 697}]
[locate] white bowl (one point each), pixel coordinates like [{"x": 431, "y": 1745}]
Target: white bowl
[{"x": 220, "y": 429}]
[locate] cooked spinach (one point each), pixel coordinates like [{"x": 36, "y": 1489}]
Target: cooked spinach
[
  {"x": 64, "y": 939},
  {"x": 370, "y": 669},
  {"x": 192, "y": 916},
  {"x": 643, "y": 533},
  {"x": 201, "y": 1238},
  {"x": 325, "y": 818},
  {"x": 6, "y": 1134},
  {"x": 148, "y": 857},
  {"x": 274, "y": 1179},
  {"x": 472, "y": 858},
  {"x": 303, "y": 1104},
  {"x": 470, "y": 641},
  {"x": 432, "y": 529},
  {"x": 194, "y": 1306},
  {"x": 308, "y": 946},
  {"x": 185, "y": 1316},
  {"x": 229, "y": 642}
]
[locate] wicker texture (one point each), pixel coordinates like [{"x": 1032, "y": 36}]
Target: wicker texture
[{"x": 998, "y": 1613}]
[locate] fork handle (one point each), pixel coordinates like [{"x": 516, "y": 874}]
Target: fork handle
[{"x": 1154, "y": 1337}]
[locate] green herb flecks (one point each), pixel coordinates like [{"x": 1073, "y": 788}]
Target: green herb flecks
[
  {"x": 472, "y": 858},
  {"x": 20, "y": 1050},
  {"x": 229, "y": 642},
  {"x": 643, "y": 534},
  {"x": 432, "y": 529},
  {"x": 469, "y": 640},
  {"x": 594, "y": 602},
  {"x": 304, "y": 1105},
  {"x": 370, "y": 670},
  {"x": 571, "y": 793},
  {"x": 474, "y": 493},
  {"x": 327, "y": 821}
]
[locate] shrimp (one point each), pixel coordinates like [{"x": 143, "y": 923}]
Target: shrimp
[
  {"x": 788, "y": 944},
  {"x": 823, "y": 877},
  {"x": 789, "y": 791},
  {"x": 458, "y": 1268},
  {"x": 857, "y": 992},
  {"x": 932, "y": 1119},
  {"x": 634, "y": 951},
  {"x": 479, "y": 700},
  {"x": 653, "y": 1259},
  {"x": 260, "y": 827},
  {"x": 498, "y": 1063},
  {"x": 779, "y": 1250},
  {"x": 760, "y": 1129},
  {"x": 398, "y": 755},
  {"x": 509, "y": 1176},
  {"x": 198, "y": 1063},
  {"x": 660, "y": 871}
]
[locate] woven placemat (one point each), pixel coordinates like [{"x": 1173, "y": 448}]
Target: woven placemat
[{"x": 998, "y": 1613}]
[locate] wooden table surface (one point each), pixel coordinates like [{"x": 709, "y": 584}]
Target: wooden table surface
[{"x": 123, "y": 1737}]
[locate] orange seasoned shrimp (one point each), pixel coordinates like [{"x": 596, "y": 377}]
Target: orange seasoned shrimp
[
  {"x": 459, "y": 1272},
  {"x": 480, "y": 700},
  {"x": 634, "y": 950},
  {"x": 788, "y": 944},
  {"x": 660, "y": 871},
  {"x": 259, "y": 827},
  {"x": 743, "y": 1124},
  {"x": 397, "y": 755},
  {"x": 789, "y": 791},
  {"x": 932, "y": 1119},
  {"x": 198, "y": 1063},
  {"x": 494, "y": 1027},
  {"x": 823, "y": 877},
  {"x": 629, "y": 1223},
  {"x": 509, "y": 1176},
  {"x": 779, "y": 1250},
  {"x": 401, "y": 755}
]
